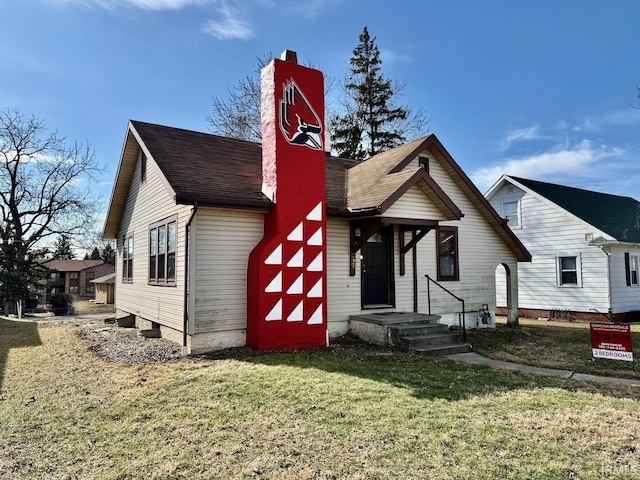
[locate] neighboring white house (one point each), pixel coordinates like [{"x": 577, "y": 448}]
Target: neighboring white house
[
  {"x": 187, "y": 209},
  {"x": 585, "y": 249}
]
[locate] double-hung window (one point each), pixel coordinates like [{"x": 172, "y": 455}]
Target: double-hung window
[
  {"x": 510, "y": 212},
  {"x": 162, "y": 252},
  {"x": 447, "y": 253},
  {"x": 569, "y": 270},
  {"x": 631, "y": 265},
  {"x": 127, "y": 259}
]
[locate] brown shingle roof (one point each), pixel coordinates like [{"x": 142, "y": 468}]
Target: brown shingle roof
[
  {"x": 374, "y": 184},
  {"x": 209, "y": 169},
  {"x": 225, "y": 172},
  {"x": 72, "y": 265}
]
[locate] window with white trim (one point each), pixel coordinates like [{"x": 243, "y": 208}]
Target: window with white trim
[
  {"x": 510, "y": 213},
  {"x": 162, "y": 252},
  {"x": 631, "y": 265},
  {"x": 127, "y": 259},
  {"x": 569, "y": 271}
]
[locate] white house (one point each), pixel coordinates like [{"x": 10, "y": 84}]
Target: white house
[
  {"x": 199, "y": 196},
  {"x": 585, "y": 249},
  {"x": 189, "y": 210}
]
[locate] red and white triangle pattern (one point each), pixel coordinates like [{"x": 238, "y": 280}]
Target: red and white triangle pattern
[{"x": 310, "y": 230}]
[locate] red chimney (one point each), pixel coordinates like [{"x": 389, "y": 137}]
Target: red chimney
[{"x": 286, "y": 277}]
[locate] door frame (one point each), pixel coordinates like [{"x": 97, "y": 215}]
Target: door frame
[{"x": 387, "y": 232}]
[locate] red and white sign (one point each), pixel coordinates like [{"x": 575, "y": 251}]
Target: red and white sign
[{"x": 611, "y": 341}]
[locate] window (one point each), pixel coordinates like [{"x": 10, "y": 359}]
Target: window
[
  {"x": 90, "y": 289},
  {"x": 631, "y": 264},
  {"x": 73, "y": 290},
  {"x": 447, "y": 253},
  {"x": 143, "y": 167},
  {"x": 510, "y": 212},
  {"x": 162, "y": 252},
  {"x": 74, "y": 275},
  {"x": 57, "y": 277},
  {"x": 424, "y": 163},
  {"x": 569, "y": 273},
  {"x": 127, "y": 260},
  {"x": 91, "y": 275}
]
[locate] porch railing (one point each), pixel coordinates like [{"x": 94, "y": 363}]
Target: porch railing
[{"x": 429, "y": 281}]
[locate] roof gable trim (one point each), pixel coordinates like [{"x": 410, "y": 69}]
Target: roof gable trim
[{"x": 452, "y": 212}]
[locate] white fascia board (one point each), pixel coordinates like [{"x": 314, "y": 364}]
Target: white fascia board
[{"x": 154, "y": 165}]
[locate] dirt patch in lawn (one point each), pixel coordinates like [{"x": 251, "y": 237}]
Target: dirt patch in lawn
[{"x": 123, "y": 345}]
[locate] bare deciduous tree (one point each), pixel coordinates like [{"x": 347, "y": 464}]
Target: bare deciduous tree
[
  {"x": 238, "y": 115},
  {"x": 44, "y": 191}
]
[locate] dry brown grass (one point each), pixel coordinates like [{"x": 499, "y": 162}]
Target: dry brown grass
[
  {"x": 326, "y": 413},
  {"x": 562, "y": 345}
]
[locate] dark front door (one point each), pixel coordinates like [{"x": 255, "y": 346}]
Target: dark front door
[{"x": 376, "y": 268}]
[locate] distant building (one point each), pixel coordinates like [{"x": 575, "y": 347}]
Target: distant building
[
  {"x": 74, "y": 277},
  {"x": 105, "y": 288}
]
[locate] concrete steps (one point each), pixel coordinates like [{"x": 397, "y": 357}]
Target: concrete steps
[{"x": 413, "y": 332}]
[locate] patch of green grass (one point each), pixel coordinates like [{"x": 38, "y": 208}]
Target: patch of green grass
[
  {"x": 331, "y": 413},
  {"x": 560, "y": 345}
]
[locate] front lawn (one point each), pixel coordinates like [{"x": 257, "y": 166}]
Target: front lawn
[
  {"x": 334, "y": 413},
  {"x": 563, "y": 345}
]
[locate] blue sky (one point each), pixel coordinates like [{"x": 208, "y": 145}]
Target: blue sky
[{"x": 544, "y": 90}]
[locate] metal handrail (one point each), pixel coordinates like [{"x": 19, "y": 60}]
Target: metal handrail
[{"x": 464, "y": 328}]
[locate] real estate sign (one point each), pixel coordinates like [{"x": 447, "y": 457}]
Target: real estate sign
[{"x": 612, "y": 341}]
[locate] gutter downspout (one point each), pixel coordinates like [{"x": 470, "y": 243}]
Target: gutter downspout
[{"x": 185, "y": 320}]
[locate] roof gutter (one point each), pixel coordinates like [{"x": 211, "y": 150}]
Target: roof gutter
[{"x": 185, "y": 319}]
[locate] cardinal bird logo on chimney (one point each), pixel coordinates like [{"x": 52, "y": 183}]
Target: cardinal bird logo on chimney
[{"x": 299, "y": 122}]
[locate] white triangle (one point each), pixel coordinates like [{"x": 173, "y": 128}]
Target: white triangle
[
  {"x": 316, "y": 213},
  {"x": 275, "y": 285},
  {"x": 296, "y": 260},
  {"x": 296, "y": 315},
  {"x": 316, "y": 265},
  {"x": 276, "y": 312},
  {"x": 296, "y": 287},
  {"x": 316, "y": 318},
  {"x": 316, "y": 290},
  {"x": 296, "y": 234},
  {"x": 276, "y": 257},
  {"x": 316, "y": 238}
]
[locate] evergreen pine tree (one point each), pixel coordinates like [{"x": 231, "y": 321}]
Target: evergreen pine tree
[
  {"x": 95, "y": 254},
  {"x": 62, "y": 249},
  {"x": 373, "y": 122}
]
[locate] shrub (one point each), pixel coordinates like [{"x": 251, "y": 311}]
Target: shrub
[{"x": 60, "y": 303}]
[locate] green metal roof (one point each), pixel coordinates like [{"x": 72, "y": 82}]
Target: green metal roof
[{"x": 615, "y": 215}]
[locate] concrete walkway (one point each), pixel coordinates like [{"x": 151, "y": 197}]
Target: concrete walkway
[{"x": 477, "y": 359}]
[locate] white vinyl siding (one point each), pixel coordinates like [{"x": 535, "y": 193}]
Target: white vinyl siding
[
  {"x": 414, "y": 204},
  {"x": 624, "y": 298},
  {"x": 549, "y": 233},
  {"x": 343, "y": 290},
  {"x": 224, "y": 239},
  {"x": 480, "y": 251},
  {"x": 146, "y": 204}
]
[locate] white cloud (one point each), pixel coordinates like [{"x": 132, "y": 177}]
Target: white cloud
[
  {"x": 230, "y": 26},
  {"x": 520, "y": 134},
  {"x": 565, "y": 159},
  {"x": 389, "y": 56}
]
